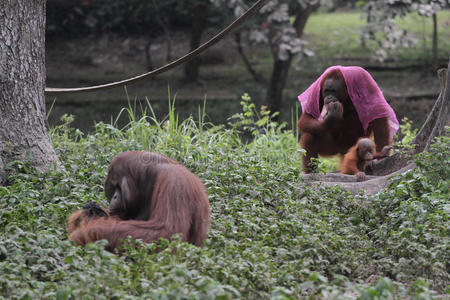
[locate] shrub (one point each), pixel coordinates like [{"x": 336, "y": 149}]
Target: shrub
[{"x": 270, "y": 237}]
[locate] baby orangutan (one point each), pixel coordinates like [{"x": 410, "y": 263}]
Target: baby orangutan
[
  {"x": 360, "y": 156},
  {"x": 80, "y": 218},
  {"x": 341, "y": 106}
]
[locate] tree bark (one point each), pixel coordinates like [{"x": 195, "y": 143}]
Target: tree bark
[
  {"x": 148, "y": 54},
  {"x": 280, "y": 70},
  {"x": 23, "y": 134},
  {"x": 257, "y": 77},
  {"x": 199, "y": 17},
  {"x": 435, "y": 42},
  {"x": 277, "y": 83},
  {"x": 166, "y": 30}
]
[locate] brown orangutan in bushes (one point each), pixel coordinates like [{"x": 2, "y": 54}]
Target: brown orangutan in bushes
[
  {"x": 150, "y": 196},
  {"x": 360, "y": 156},
  {"x": 341, "y": 106}
]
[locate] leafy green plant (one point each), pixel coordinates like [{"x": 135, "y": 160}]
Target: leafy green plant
[
  {"x": 271, "y": 236},
  {"x": 406, "y": 132},
  {"x": 250, "y": 120},
  {"x": 325, "y": 165}
]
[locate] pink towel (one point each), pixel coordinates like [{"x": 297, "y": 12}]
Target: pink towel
[{"x": 364, "y": 92}]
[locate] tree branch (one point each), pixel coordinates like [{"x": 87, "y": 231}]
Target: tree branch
[{"x": 257, "y": 77}]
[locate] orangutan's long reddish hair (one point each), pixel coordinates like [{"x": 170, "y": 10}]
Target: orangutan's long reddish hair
[{"x": 150, "y": 196}]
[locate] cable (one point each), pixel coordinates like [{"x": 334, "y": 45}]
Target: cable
[{"x": 239, "y": 21}]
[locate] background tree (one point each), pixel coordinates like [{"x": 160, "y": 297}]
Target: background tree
[
  {"x": 198, "y": 11},
  {"x": 279, "y": 25},
  {"x": 381, "y": 17},
  {"x": 136, "y": 18},
  {"x": 23, "y": 134},
  {"x": 285, "y": 42}
]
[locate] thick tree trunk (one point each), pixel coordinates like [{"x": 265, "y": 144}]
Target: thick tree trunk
[
  {"x": 280, "y": 69},
  {"x": 277, "y": 83},
  {"x": 164, "y": 25},
  {"x": 199, "y": 16},
  {"x": 23, "y": 134}
]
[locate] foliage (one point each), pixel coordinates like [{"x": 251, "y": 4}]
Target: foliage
[
  {"x": 406, "y": 132},
  {"x": 325, "y": 164},
  {"x": 251, "y": 121},
  {"x": 273, "y": 25},
  {"x": 381, "y": 17},
  {"x": 404, "y": 137},
  {"x": 143, "y": 17},
  {"x": 270, "y": 237},
  {"x": 280, "y": 25},
  {"x": 342, "y": 29}
]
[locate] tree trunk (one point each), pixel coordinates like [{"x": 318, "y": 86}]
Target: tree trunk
[
  {"x": 277, "y": 83},
  {"x": 280, "y": 69},
  {"x": 435, "y": 42},
  {"x": 148, "y": 54},
  {"x": 164, "y": 25},
  {"x": 199, "y": 16},
  {"x": 248, "y": 65},
  {"x": 23, "y": 134}
]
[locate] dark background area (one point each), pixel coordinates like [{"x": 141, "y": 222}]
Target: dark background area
[{"x": 96, "y": 42}]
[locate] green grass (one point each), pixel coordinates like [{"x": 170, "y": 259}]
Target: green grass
[
  {"x": 271, "y": 236},
  {"x": 422, "y": 27},
  {"x": 337, "y": 35},
  {"x": 333, "y": 36}
]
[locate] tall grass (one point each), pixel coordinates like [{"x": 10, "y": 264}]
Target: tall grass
[{"x": 271, "y": 236}]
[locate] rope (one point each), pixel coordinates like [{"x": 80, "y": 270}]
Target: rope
[{"x": 239, "y": 21}]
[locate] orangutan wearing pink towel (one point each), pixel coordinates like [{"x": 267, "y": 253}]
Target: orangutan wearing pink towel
[{"x": 341, "y": 106}]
